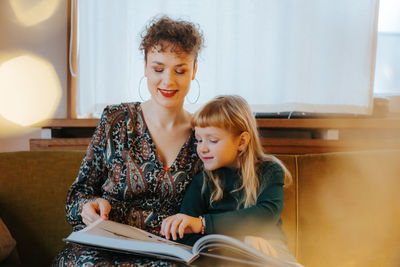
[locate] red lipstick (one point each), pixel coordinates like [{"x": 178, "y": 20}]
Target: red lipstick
[{"x": 167, "y": 93}]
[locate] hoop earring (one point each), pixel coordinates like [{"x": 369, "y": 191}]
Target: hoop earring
[
  {"x": 139, "y": 88},
  {"x": 198, "y": 94}
]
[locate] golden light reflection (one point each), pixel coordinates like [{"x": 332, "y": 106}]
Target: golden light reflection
[
  {"x": 10, "y": 130},
  {"x": 355, "y": 212},
  {"x": 31, "y": 12},
  {"x": 29, "y": 90}
]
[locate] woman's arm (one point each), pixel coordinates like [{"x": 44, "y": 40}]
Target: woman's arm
[
  {"x": 91, "y": 176},
  {"x": 86, "y": 199}
]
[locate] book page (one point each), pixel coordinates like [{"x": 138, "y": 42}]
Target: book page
[
  {"x": 229, "y": 248},
  {"x": 123, "y": 231},
  {"x": 116, "y": 236}
]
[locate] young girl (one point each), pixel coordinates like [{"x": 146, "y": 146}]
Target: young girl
[{"x": 240, "y": 191}]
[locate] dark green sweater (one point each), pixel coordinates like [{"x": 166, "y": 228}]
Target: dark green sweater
[{"x": 224, "y": 217}]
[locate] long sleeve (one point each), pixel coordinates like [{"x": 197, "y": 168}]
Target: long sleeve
[
  {"x": 264, "y": 213},
  {"x": 224, "y": 217},
  {"x": 122, "y": 166},
  {"x": 194, "y": 202},
  {"x": 94, "y": 179},
  {"x": 91, "y": 176}
]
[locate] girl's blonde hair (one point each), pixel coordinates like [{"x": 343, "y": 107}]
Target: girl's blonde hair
[{"x": 232, "y": 113}]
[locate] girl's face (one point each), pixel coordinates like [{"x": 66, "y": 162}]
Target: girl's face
[
  {"x": 217, "y": 147},
  {"x": 168, "y": 76}
]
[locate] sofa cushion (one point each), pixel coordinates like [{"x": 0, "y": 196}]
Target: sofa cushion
[
  {"x": 33, "y": 190},
  {"x": 7, "y": 242},
  {"x": 349, "y": 209},
  {"x": 289, "y": 214}
]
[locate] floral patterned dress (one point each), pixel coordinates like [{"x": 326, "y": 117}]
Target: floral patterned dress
[{"x": 122, "y": 166}]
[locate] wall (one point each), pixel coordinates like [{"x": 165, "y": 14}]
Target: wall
[{"x": 40, "y": 28}]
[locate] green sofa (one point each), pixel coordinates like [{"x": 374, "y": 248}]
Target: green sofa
[{"x": 343, "y": 209}]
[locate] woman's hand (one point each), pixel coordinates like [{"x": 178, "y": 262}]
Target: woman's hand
[
  {"x": 180, "y": 223},
  {"x": 93, "y": 210},
  {"x": 260, "y": 244}
]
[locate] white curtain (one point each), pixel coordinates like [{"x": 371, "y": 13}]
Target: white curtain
[
  {"x": 281, "y": 55},
  {"x": 387, "y": 71}
]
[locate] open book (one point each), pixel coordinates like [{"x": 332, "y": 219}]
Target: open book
[{"x": 127, "y": 239}]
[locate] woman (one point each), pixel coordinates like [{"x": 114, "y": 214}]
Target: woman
[{"x": 142, "y": 156}]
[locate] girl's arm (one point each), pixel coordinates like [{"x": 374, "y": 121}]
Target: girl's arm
[
  {"x": 250, "y": 221},
  {"x": 195, "y": 203},
  {"x": 187, "y": 221},
  {"x": 246, "y": 221}
]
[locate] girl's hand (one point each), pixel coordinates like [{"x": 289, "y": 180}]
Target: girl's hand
[
  {"x": 93, "y": 210},
  {"x": 180, "y": 223},
  {"x": 260, "y": 244}
]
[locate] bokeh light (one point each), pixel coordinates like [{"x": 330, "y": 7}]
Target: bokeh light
[
  {"x": 30, "y": 90},
  {"x": 29, "y": 12}
]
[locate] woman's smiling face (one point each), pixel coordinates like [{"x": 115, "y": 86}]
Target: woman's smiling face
[{"x": 169, "y": 74}]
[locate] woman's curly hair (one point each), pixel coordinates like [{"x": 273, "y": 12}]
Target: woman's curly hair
[{"x": 163, "y": 32}]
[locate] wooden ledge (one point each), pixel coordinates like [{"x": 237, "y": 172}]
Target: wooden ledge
[
  {"x": 306, "y": 123},
  {"x": 59, "y": 144},
  {"x": 60, "y": 123},
  {"x": 271, "y": 145},
  {"x": 305, "y": 146},
  {"x": 338, "y": 123}
]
